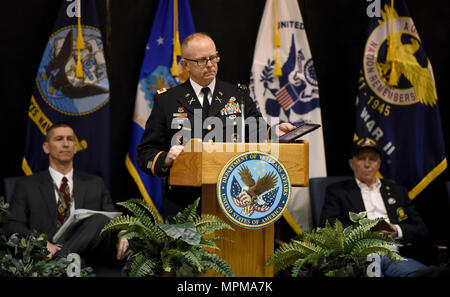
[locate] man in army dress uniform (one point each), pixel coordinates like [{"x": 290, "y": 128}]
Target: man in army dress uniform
[{"x": 195, "y": 109}]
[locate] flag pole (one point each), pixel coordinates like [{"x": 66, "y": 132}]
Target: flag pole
[
  {"x": 176, "y": 40},
  {"x": 276, "y": 40},
  {"x": 80, "y": 44}
]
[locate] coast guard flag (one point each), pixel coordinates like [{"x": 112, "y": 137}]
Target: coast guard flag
[
  {"x": 160, "y": 69},
  {"x": 72, "y": 86},
  {"x": 284, "y": 84},
  {"x": 397, "y": 103}
]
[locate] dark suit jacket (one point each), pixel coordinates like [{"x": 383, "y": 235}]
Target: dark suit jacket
[
  {"x": 173, "y": 113},
  {"x": 343, "y": 197},
  {"x": 33, "y": 204}
]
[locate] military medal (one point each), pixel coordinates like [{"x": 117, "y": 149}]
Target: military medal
[
  {"x": 178, "y": 115},
  {"x": 231, "y": 108}
]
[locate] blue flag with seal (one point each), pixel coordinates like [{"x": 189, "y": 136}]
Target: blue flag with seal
[
  {"x": 72, "y": 86},
  {"x": 397, "y": 103},
  {"x": 160, "y": 69}
]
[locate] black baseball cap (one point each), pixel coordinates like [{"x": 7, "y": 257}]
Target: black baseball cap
[{"x": 363, "y": 143}]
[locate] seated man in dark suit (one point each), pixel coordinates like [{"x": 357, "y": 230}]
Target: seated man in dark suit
[
  {"x": 379, "y": 198},
  {"x": 44, "y": 200}
]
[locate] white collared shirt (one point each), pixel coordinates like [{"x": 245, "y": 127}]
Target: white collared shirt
[
  {"x": 374, "y": 203},
  {"x": 57, "y": 179},
  {"x": 198, "y": 90}
]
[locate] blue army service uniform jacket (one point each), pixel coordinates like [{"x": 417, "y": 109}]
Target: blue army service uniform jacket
[{"x": 174, "y": 121}]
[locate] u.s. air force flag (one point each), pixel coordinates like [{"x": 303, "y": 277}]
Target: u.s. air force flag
[
  {"x": 160, "y": 69},
  {"x": 72, "y": 86},
  {"x": 284, "y": 85},
  {"x": 397, "y": 103}
]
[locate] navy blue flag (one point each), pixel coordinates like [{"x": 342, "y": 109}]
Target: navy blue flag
[
  {"x": 397, "y": 103},
  {"x": 160, "y": 69},
  {"x": 72, "y": 86}
]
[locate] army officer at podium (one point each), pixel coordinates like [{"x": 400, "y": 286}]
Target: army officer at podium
[{"x": 181, "y": 113}]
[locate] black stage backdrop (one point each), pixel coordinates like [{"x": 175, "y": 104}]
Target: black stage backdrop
[{"x": 336, "y": 31}]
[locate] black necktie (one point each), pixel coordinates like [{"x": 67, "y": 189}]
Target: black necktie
[{"x": 205, "y": 92}]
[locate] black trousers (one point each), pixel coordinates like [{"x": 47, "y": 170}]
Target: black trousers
[
  {"x": 177, "y": 198},
  {"x": 84, "y": 239}
]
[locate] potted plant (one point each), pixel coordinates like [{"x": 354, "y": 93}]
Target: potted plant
[
  {"x": 334, "y": 250},
  {"x": 175, "y": 246}
]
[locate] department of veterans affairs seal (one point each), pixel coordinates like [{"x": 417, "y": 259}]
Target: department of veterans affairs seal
[{"x": 253, "y": 189}]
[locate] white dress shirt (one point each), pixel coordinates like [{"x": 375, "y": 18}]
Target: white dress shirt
[
  {"x": 198, "y": 90},
  {"x": 57, "y": 179},
  {"x": 374, "y": 203}
]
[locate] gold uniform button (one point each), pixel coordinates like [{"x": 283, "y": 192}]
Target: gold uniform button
[
  {"x": 234, "y": 123},
  {"x": 209, "y": 127}
]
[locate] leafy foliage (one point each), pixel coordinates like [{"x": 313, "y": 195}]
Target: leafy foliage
[
  {"x": 4, "y": 213},
  {"x": 176, "y": 245},
  {"x": 333, "y": 250},
  {"x": 28, "y": 256},
  {"x": 22, "y": 256}
]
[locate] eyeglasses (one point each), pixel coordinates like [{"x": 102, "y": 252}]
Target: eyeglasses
[{"x": 203, "y": 61}]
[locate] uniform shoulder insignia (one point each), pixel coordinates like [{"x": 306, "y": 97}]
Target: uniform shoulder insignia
[
  {"x": 242, "y": 87},
  {"x": 162, "y": 90}
]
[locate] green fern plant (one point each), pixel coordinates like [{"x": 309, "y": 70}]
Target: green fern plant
[
  {"x": 174, "y": 246},
  {"x": 27, "y": 256},
  {"x": 334, "y": 250}
]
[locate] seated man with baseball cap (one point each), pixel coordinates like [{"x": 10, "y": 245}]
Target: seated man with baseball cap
[{"x": 379, "y": 198}]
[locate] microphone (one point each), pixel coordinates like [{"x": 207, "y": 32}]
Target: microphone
[{"x": 243, "y": 91}]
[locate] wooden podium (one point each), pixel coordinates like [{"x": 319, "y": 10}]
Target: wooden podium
[{"x": 200, "y": 165}]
